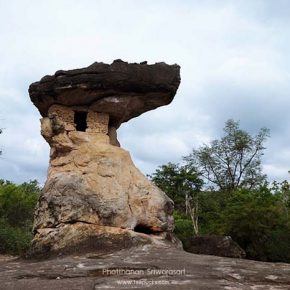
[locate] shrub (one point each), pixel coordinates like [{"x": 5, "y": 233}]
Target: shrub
[
  {"x": 183, "y": 229},
  {"x": 14, "y": 240},
  {"x": 17, "y": 204},
  {"x": 259, "y": 223}
]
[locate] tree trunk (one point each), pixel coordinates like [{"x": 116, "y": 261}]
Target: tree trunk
[{"x": 193, "y": 212}]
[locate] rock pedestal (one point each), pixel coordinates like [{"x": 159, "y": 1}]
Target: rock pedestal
[{"x": 94, "y": 196}]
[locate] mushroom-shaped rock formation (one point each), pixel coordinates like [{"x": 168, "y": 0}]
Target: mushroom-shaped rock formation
[
  {"x": 94, "y": 194},
  {"x": 122, "y": 90}
]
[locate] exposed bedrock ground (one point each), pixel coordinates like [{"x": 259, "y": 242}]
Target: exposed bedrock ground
[{"x": 146, "y": 267}]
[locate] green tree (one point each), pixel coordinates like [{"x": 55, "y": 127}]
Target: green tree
[
  {"x": 183, "y": 185},
  {"x": 257, "y": 220},
  {"x": 17, "y": 203},
  {"x": 166, "y": 178},
  {"x": 282, "y": 190},
  {"x": 232, "y": 162}
]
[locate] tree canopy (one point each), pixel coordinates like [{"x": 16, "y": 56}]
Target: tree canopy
[
  {"x": 17, "y": 203},
  {"x": 182, "y": 183},
  {"x": 177, "y": 181},
  {"x": 241, "y": 203},
  {"x": 232, "y": 162}
]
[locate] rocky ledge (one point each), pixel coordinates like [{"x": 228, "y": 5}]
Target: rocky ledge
[
  {"x": 154, "y": 266},
  {"x": 121, "y": 89}
]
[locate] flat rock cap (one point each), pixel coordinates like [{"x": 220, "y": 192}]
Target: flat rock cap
[{"x": 123, "y": 90}]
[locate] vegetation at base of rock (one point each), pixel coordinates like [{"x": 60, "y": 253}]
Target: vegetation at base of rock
[
  {"x": 17, "y": 203},
  {"x": 256, "y": 217},
  {"x": 258, "y": 220},
  {"x": 183, "y": 228},
  {"x": 219, "y": 189}
]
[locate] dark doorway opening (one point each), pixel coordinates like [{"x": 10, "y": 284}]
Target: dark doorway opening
[
  {"x": 80, "y": 120},
  {"x": 143, "y": 229}
]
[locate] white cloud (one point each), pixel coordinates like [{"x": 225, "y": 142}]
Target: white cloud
[
  {"x": 234, "y": 58},
  {"x": 277, "y": 172}
]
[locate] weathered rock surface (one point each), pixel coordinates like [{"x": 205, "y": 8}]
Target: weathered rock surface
[
  {"x": 81, "y": 238},
  {"x": 122, "y": 90},
  {"x": 93, "y": 182},
  {"x": 146, "y": 267},
  {"x": 222, "y": 246},
  {"x": 93, "y": 190}
]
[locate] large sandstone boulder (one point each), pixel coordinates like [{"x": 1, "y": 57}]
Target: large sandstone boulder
[{"x": 93, "y": 189}]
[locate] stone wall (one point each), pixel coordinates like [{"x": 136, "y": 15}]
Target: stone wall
[
  {"x": 96, "y": 122},
  {"x": 63, "y": 113}
]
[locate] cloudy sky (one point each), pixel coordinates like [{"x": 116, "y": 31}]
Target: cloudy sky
[{"x": 234, "y": 58}]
